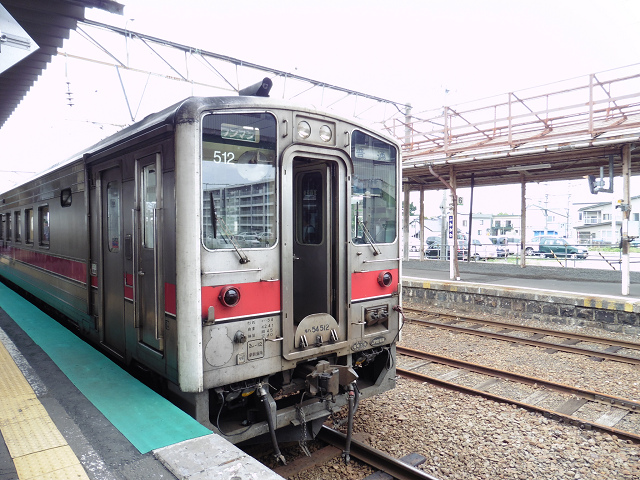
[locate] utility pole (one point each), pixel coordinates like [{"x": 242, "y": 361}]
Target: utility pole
[{"x": 626, "y": 213}]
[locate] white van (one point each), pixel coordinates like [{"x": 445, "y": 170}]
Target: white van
[{"x": 507, "y": 245}]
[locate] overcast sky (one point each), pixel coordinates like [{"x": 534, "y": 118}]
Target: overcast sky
[{"x": 428, "y": 53}]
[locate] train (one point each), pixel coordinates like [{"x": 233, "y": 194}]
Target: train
[{"x": 243, "y": 249}]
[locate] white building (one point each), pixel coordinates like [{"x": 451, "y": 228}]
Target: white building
[{"x": 602, "y": 222}]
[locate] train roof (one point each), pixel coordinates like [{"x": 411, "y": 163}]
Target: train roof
[{"x": 184, "y": 111}]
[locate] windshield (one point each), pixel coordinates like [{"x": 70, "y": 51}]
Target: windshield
[
  {"x": 373, "y": 189},
  {"x": 238, "y": 180}
]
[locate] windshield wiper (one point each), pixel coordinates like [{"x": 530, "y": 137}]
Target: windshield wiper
[
  {"x": 225, "y": 232},
  {"x": 369, "y": 238}
]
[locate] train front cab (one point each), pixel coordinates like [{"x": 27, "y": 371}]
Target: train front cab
[{"x": 294, "y": 327}]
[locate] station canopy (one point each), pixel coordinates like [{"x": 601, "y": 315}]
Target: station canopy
[
  {"x": 564, "y": 131},
  {"x": 31, "y": 31}
]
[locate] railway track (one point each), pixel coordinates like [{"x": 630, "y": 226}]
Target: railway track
[
  {"x": 584, "y": 408},
  {"x": 388, "y": 467},
  {"x": 538, "y": 336}
]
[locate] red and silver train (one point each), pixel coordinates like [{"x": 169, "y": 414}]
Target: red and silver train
[{"x": 244, "y": 249}]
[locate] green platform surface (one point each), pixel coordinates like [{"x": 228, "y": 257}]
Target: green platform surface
[{"x": 145, "y": 418}]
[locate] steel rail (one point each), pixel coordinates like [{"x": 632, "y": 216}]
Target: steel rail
[
  {"x": 374, "y": 457},
  {"x": 515, "y": 377},
  {"x": 545, "y": 331},
  {"x": 535, "y": 343},
  {"x": 582, "y": 423}
]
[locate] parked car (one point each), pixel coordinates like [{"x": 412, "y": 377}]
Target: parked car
[
  {"x": 506, "y": 245},
  {"x": 533, "y": 246},
  {"x": 483, "y": 248},
  {"x": 433, "y": 245},
  {"x": 559, "y": 247}
]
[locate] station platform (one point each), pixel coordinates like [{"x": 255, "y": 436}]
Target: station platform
[
  {"x": 569, "y": 296},
  {"x": 68, "y": 412},
  {"x": 587, "y": 281}
]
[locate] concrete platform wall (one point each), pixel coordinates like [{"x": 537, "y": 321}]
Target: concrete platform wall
[{"x": 552, "y": 307}]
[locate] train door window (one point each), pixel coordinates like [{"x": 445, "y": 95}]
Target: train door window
[
  {"x": 149, "y": 201},
  {"x": 113, "y": 216},
  {"x": 2, "y": 226},
  {"x": 28, "y": 225},
  {"x": 18, "y": 223},
  {"x": 310, "y": 210},
  {"x": 43, "y": 225},
  {"x": 9, "y": 229},
  {"x": 239, "y": 180},
  {"x": 373, "y": 189}
]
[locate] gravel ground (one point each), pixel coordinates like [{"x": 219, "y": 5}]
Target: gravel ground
[{"x": 466, "y": 437}]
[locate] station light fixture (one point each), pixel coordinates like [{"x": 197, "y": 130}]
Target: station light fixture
[{"x": 524, "y": 168}]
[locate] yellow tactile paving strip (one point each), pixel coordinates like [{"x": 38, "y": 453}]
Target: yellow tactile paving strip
[{"x": 38, "y": 449}]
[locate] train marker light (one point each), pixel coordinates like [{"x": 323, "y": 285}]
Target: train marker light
[
  {"x": 325, "y": 133},
  {"x": 385, "y": 279},
  {"x": 304, "y": 130},
  {"x": 229, "y": 296}
]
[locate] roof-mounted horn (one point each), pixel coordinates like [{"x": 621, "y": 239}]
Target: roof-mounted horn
[{"x": 260, "y": 89}]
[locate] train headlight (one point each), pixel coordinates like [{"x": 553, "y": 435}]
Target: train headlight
[
  {"x": 385, "y": 279},
  {"x": 229, "y": 296},
  {"x": 304, "y": 130},
  {"x": 325, "y": 133}
]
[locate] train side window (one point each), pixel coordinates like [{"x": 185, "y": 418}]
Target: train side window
[
  {"x": 113, "y": 216},
  {"x": 28, "y": 225},
  {"x": 65, "y": 197},
  {"x": 18, "y": 224},
  {"x": 43, "y": 224}
]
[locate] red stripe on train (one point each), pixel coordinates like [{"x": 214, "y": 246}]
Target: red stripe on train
[
  {"x": 73, "y": 269},
  {"x": 255, "y": 298},
  {"x": 365, "y": 284}
]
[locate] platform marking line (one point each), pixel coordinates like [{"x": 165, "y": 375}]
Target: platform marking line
[
  {"x": 34, "y": 442},
  {"x": 140, "y": 414}
]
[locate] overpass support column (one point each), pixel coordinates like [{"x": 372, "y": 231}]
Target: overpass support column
[
  {"x": 626, "y": 213},
  {"x": 523, "y": 221},
  {"x": 421, "y": 237}
]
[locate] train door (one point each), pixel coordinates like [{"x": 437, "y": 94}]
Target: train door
[
  {"x": 312, "y": 241},
  {"x": 313, "y": 312},
  {"x": 149, "y": 284},
  {"x": 112, "y": 260}
]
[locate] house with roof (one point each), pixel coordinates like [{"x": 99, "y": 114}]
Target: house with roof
[{"x": 602, "y": 222}]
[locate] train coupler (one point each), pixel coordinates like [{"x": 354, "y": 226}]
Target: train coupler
[
  {"x": 271, "y": 411},
  {"x": 326, "y": 379}
]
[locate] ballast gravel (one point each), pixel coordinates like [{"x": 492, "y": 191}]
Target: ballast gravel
[{"x": 467, "y": 437}]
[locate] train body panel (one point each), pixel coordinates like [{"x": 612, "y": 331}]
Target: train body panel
[{"x": 244, "y": 249}]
